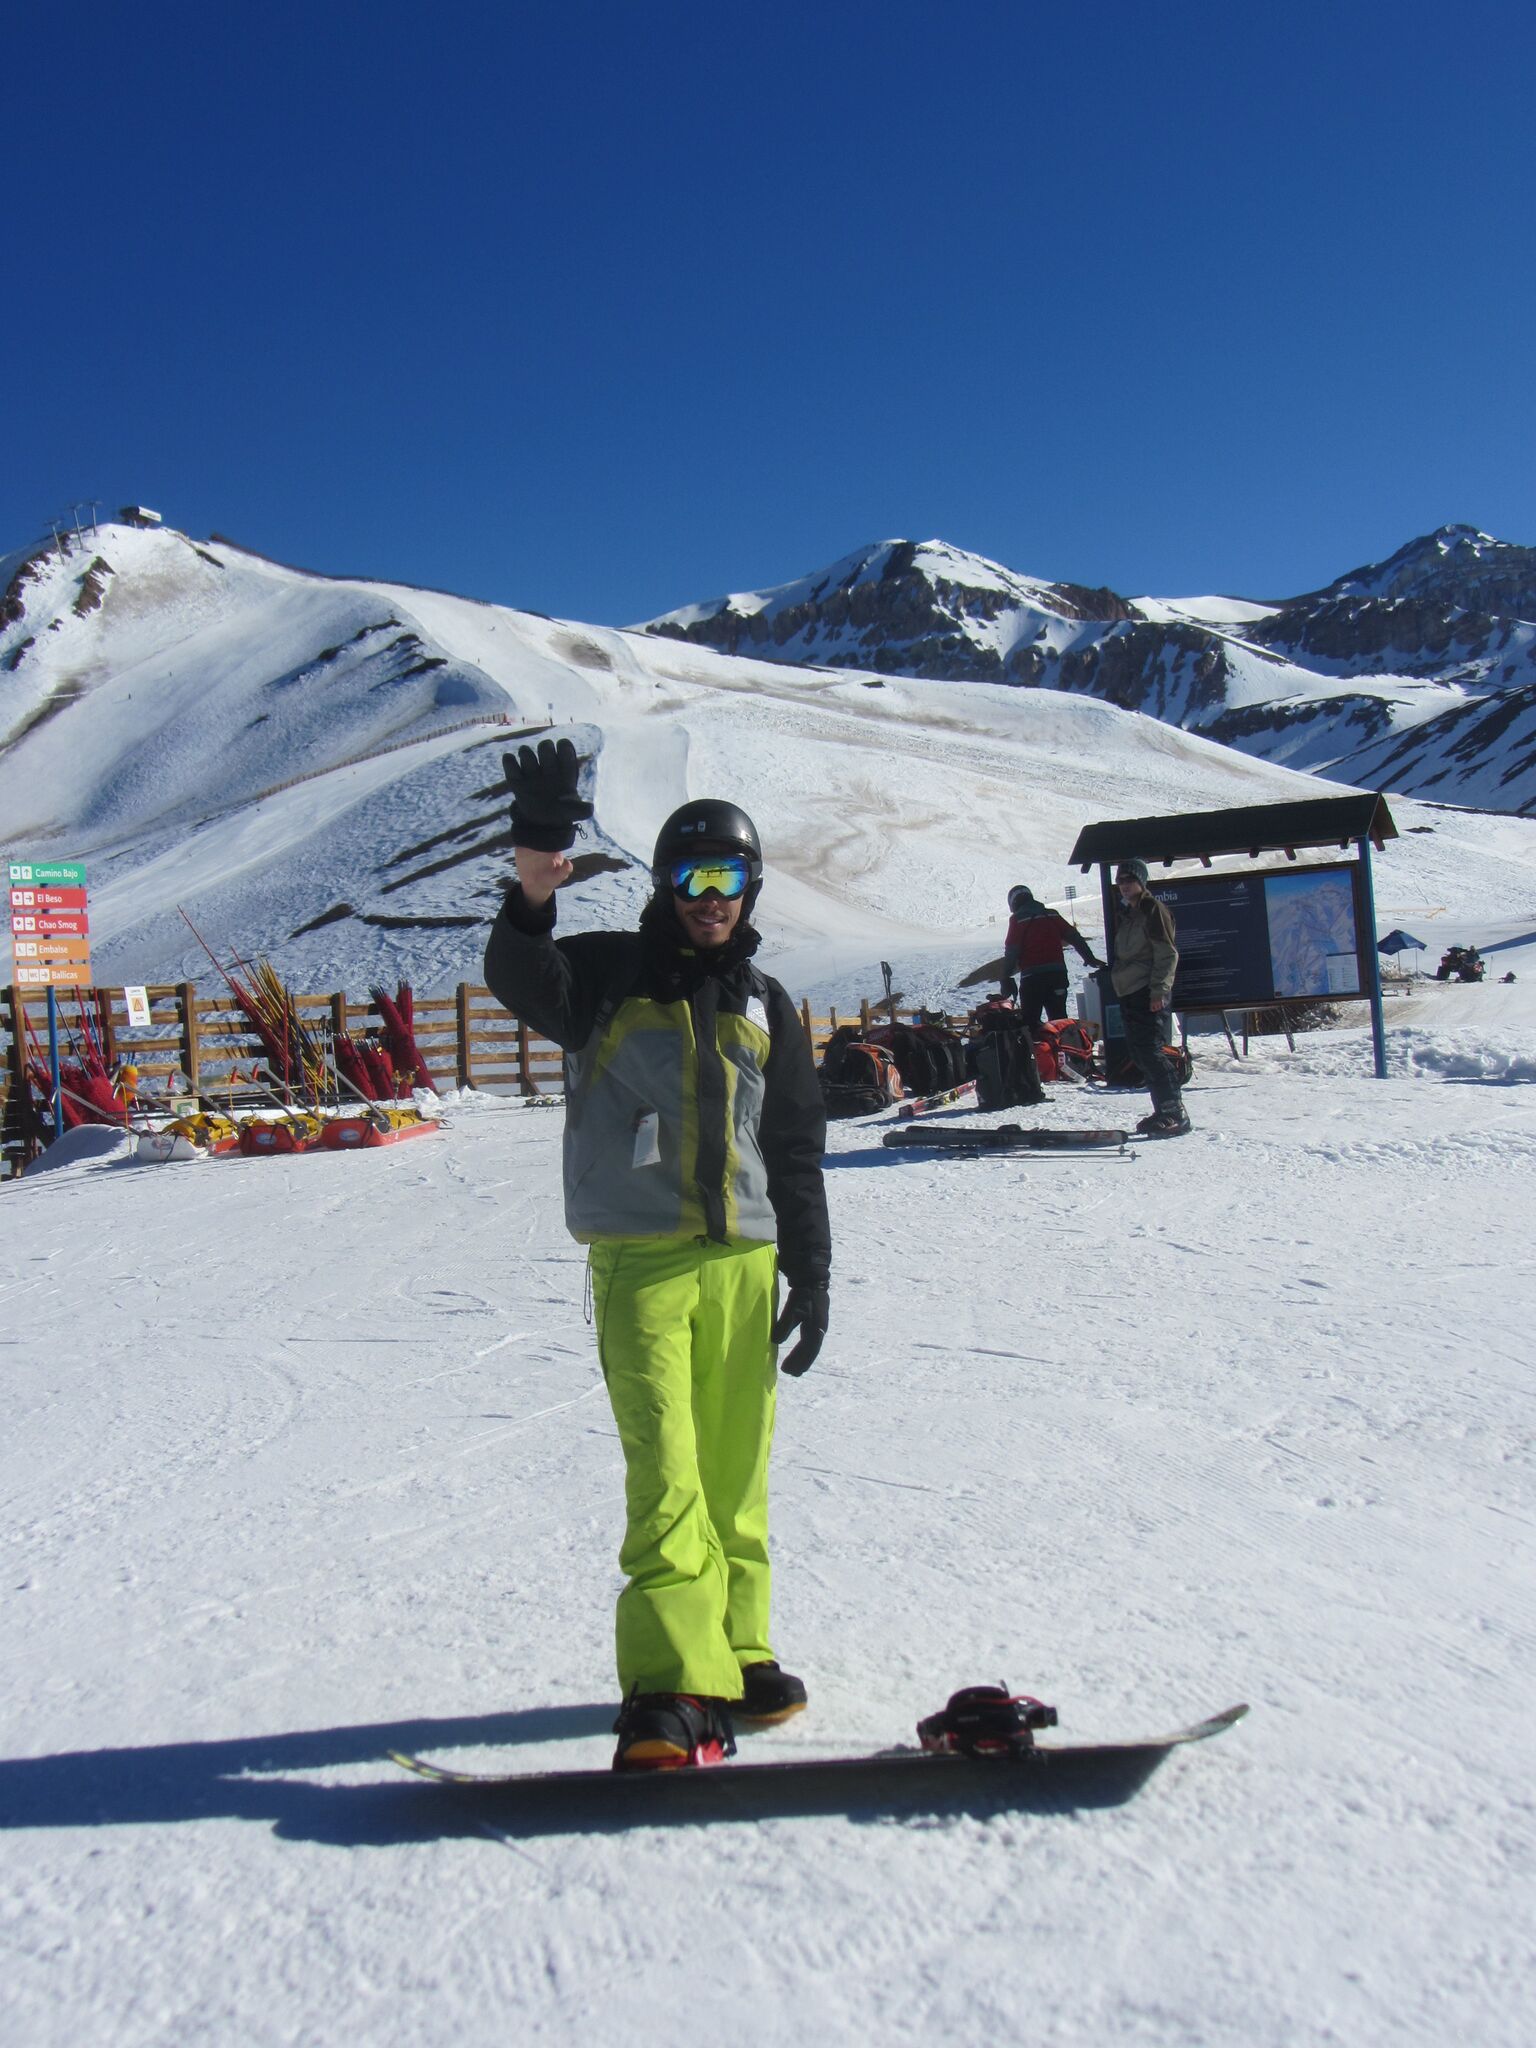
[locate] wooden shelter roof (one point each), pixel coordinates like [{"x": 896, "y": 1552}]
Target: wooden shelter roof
[{"x": 1253, "y": 829}]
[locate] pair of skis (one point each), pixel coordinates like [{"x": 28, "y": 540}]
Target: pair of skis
[{"x": 970, "y": 1140}]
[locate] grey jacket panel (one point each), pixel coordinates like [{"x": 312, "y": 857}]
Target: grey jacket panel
[{"x": 607, "y": 1194}]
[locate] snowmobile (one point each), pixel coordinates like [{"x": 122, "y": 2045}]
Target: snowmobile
[{"x": 1465, "y": 962}]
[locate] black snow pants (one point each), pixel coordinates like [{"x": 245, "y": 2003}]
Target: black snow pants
[
  {"x": 1145, "y": 1030},
  {"x": 1042, "y": 989}
]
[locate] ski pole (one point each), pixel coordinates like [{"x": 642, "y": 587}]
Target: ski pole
[
  {"x": 112, "y": 1123},
  {"x": 260, "y": 1074},
  {"x": 208, "y": 1102}
]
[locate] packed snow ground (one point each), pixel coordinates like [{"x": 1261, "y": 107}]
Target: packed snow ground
[{"x": 307, "y": 1458}]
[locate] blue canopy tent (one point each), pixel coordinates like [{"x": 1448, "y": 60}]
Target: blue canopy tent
[{"x": 1401, "y": 942}]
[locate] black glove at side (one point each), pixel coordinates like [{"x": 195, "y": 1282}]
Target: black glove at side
[
  {"x": 546, "y": 803},
  {"x": 1009, "y": 986},
  {"x": 805, "y": 1309}
]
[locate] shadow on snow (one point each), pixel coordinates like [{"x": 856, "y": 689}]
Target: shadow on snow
[
  {"x": 251, "y": 1779},
  {"x": 255, "y": 1779}
]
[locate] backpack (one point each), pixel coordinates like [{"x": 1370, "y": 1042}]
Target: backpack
[
  {"x": 1071, "y": 1048},
  {"x": 919, "y": 1066},
  {"x": 929, "y": 1057},
  {"x": 1000, "y": 1059},
  {"x": 857, "y": 1078},
  {"x": 947, "y": 1049},
  {"x": 1126, "y": 1074}
]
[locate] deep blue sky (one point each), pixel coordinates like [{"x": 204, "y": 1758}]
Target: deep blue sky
[{"x": 600, "y": 309}]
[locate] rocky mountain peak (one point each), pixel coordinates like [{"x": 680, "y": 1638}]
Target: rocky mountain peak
[
  {"x": 1343, "y": 680},
  {"x": 1455, "y": 565}
]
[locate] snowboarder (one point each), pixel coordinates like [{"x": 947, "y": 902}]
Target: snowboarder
[
  {"x": 1033, "y": 951},
  {"x": 1145, "y": 961},
  {"x": 693, "y": 1144}
]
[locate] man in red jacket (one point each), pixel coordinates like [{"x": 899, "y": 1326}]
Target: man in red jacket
[{"x": 1033, "y": 951}]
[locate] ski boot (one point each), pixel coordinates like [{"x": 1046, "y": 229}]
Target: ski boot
[
  {"x": 985, "y": 1720},
  {"x": 1165, "y": 1123},
  {"x": 669, "y": 1731},
  {"x": 769, "y": 1694}
]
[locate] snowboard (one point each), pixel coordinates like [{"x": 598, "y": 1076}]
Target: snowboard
[
  {"x": 1043, "y": 1778},
  {"x": 1004, "y": 1138}
]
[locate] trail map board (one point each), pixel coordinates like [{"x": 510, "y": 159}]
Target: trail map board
[
  {"x": 1302, "y": 933},
  {"x": 1282, "y": 935}
]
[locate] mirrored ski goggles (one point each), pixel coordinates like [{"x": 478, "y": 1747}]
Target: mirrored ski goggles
[{"x": 727, "y": 874}]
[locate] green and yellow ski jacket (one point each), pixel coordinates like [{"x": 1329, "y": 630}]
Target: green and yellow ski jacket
[{"x": 692, "y": 1103}]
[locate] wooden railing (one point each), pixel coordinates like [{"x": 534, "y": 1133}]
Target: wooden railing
[{"x": 467, "y": 1041}]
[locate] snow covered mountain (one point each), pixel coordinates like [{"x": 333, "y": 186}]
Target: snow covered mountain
[
  {"x": 1416, "y": 674},
  {"x": 311, "y": 768}
]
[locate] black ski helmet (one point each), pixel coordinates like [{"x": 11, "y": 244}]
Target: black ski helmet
[
  {"x": 1020, "y": 896},
  {"x": 708, "y": 825}
]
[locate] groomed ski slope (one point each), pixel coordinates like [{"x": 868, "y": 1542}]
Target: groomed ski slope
[{"x": 308, "y": 1458}]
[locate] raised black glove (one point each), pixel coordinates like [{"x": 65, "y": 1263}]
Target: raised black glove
[
  {"x": 547, "y": 805},
  {"x": 805, "y": 1309}
]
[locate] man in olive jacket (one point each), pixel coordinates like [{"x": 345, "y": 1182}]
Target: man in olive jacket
[
  {"x": 1145, "y": 962},
  {"x": 693, "y": 1143}
]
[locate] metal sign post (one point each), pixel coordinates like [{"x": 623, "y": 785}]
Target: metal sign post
[
  {"x": 1109, "y": 1008},
  {"x": 53, "y": 1063},
  {"x": 1372, "y": 960}
]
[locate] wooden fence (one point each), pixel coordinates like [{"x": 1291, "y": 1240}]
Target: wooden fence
[{"x": 467, "y": 1040}]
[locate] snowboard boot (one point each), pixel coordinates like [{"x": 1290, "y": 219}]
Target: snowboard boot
[
  {"x": 1165, "y": 1123},
  {"x": 769, "y": 1694},
  {"x": 668, "y": 1731}
]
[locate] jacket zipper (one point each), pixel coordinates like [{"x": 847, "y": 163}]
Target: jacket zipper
[{"x": 709, "y": 1170}]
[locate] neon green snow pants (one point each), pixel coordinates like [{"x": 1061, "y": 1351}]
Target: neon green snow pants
[{"x": 684, "y": 1335}]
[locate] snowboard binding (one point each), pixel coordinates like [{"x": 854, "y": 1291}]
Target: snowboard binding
[
  {"x": 669, "y": 1731},
  {"x": 985, "y": 1721}
]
